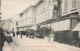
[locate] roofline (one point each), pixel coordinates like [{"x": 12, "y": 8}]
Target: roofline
[{"x": 40, "y": 1}]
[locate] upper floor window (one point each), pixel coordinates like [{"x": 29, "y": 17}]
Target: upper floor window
[
  {"x": 73, "y": 3},
  {"x": 65, "y": 5}
]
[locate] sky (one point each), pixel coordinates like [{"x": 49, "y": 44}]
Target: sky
[{"x": 11, "y": 8}]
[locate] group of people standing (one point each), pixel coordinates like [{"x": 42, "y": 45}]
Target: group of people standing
[{"x": 5, "y": 36}]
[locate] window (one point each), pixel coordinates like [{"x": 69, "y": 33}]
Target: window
[
  {"x": 65, "y": 5},
  {"x": 73, "y": 3}
]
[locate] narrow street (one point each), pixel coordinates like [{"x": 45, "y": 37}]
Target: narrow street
[
  {"x": 59, "y": 20},
  {"x": 28, "y": 44}
]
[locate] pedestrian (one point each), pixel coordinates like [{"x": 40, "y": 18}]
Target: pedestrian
[
  {"x": 8, "y": 37},
  {"x": 13, "y": 34},
  {"x": 17, "y": 33},
  {"x": 51, "y": 37},
  {"x": 2, "y": 39},
  {"x": 26, "y": 34},
  {"x": 21, "y": 36},
  {"x": 33, "y": 35}
]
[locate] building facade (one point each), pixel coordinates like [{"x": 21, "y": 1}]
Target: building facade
[
  {"x": 60, "y": 17},
  {"x": 27, "y": 18},
  {"x": 44, "y": 12},
  {"x": 53, "y": 16},
  {"x": 64, "y": 25}
]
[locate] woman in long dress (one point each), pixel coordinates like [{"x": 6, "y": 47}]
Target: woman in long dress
[{"x": 51, "y": 38}]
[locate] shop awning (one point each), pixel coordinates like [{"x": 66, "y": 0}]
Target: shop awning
[{"x": 77, "y": 28}]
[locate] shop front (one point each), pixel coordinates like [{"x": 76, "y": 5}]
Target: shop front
[
  {"x": 40, "y": 32},
  {"x": 43, "y": 30},
  {"x": 62, "y": 30}
]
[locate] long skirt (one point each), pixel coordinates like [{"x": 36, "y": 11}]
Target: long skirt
[{"x": 9, "y": 39}]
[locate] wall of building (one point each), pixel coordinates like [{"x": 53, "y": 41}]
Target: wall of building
[
  {"x": 34, "y": 15},
  {"x": 78, "y": 6},
  {"x": 26, "y": 19},
  {"x": 69, "y": 6},
  {"x": 50, "y": 9},
  {"x": 28, "y": 16},
  {"x": 42, "y": 11}
]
